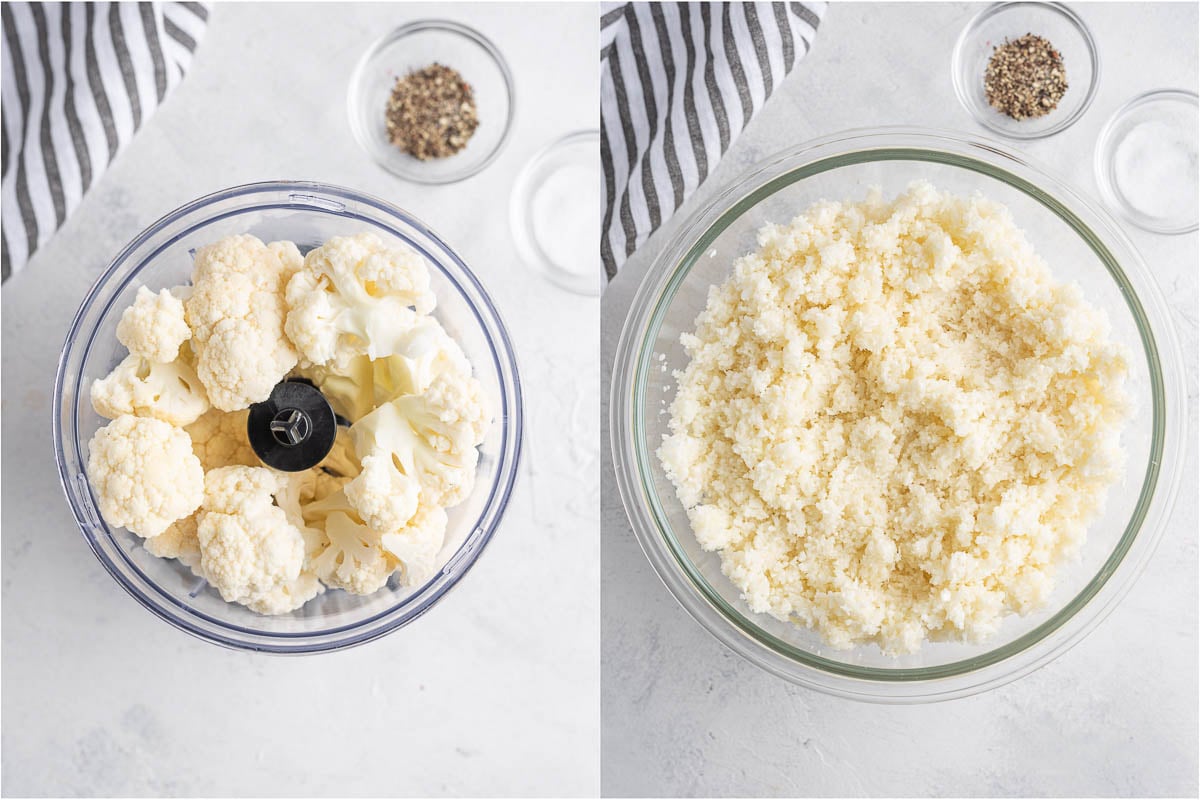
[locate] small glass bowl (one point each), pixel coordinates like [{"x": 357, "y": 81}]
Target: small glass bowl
[
  {"x": 1055, "y": 23},
  {"x": 161, "y": 256},
  {"x": 414, "y": 46},
  {"x": 555, "y": 194},
  {"x": 1172, "y": 115}
]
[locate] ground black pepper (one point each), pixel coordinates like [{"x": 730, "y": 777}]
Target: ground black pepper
[
  {"x": 431, "y": 112},
  {"x": 1025, "y": 77}
]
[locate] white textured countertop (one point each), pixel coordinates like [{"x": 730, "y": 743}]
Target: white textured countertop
[
  {"x": 495, "y": 691},
  {"x": 1117, "y": 715}
]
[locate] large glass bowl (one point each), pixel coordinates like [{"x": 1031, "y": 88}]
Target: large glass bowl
[
  {"x": 160, "y": 257},
  {"x": 1079, "y": 242}
]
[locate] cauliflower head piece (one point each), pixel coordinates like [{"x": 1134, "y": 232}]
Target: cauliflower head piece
[
  {"x": 178, "y": 541},
  {"x": 154, "y": 326},
  {"x": 219, "y": 439},
  {"x": 249, "y": 550},
  {"x": 144, "y": 474},
  {"x": 384, "y": 497},
  {"x": 350, "y": 555},
  {"x": 171, "y": 392},
  {"x": 360, "y": 559},
  {"x": 356, "y": 295},
  {"x": 429, "y": 438},
  {"x": 358, "y": 386},
  {"x": 417, "y": 544},
  {"x": 236, "y": 311}
]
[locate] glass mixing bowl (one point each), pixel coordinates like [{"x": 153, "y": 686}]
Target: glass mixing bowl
[
  {"x": 160, "y": 257},
  {"x": 1079, "y": 242}
]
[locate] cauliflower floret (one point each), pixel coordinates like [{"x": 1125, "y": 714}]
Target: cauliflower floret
[
  {"x": 236, "y": 312},
  {"x": 248, "y": 547},
  {"x": 359, "y": 385},
  {"x": 384, "y": 497},
  {"x": 144, "y": 474},
  {"x": 420, "y": 355},
  {"x": 171, "y": 392},
  {"x": 219, "y": 440},
  {"x": 356, "y": 295},
  {"x": 288, "y": 596},
  {"x": 350, "y": 555},
  {"x": 154, "y": 326},
  {"x": 289, "y": 256},
  {"x": 359, "y": 558},
  {"x": 341, "y": 460},
  {"x": 429, "y": 437},
  {"x": 353, "y": 558},
  {"x": 417, "y": 545},
  {"x": 178, "y": 541},
  {"x": 348, "y": 387}
]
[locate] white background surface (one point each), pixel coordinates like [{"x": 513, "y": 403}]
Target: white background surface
[
  {"x": 1117, "y": 715},
  {"x": 495, "y": 691}
]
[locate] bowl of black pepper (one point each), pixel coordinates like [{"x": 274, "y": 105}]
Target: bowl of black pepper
[
  {"x": 1026, "y": 70},
  {"x": 432, "y": 101}
]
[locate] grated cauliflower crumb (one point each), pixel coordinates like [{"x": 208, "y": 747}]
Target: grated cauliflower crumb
[{"x": 894, "y": 424}]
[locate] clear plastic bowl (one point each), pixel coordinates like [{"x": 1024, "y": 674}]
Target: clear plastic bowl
[
  {"x": 160, "y": 257},
  {"x": 1079, "y": 242},
  {"x": 1054, "y": 22}
]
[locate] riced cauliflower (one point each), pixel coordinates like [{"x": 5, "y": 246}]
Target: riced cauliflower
[
  {"x": 176, "y": 465},
  {"x": 894, "y": 424}
]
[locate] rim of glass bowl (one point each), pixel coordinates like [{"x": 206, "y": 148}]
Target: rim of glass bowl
[
  {"x": 145, "y": 247},
  {"x": 416, "y": 26},
  {"x": 635, "y": 465},
  {"x": 964, "y": 94}
]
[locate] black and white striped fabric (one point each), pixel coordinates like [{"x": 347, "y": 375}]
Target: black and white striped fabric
[
  {"x": 79, "y": 79},
  {"x": 678, "y": 83}
]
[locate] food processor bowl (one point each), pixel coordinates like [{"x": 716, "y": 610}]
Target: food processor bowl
[
  {"x": 1078, "y": 241},
  {"x": 160, "y": 257}
]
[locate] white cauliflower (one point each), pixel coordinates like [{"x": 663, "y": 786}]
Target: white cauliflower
[
  {"x": 154, "y": 326},
  {"x": 351, "y": 556},
  {"x": 383, "y": 497},
  {"x": 178, "y": 541},
  {"x": 236, "y": 312},
  {"x": 144, "y": 474},
  {"x": 356, "y": 296},
  {"x": 349, "y": 387},
  {"x": 417, "y": 544},
  {"x": 429, "y": 437},
  {"x": 168, "y": 391},
  {"x": 341, "y": 460},
  {"x": 288, "y": 596},
  {"x": 360, "y": 558},
  {"x": 358, "y": 386},
  {"x": 249, "y": 550},
  {"x": 219, "y": 439}
]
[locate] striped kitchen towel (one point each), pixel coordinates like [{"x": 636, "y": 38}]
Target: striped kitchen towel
[
  {"x": 678, "y": 83},
  {"x": 79, "y": 79}
]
